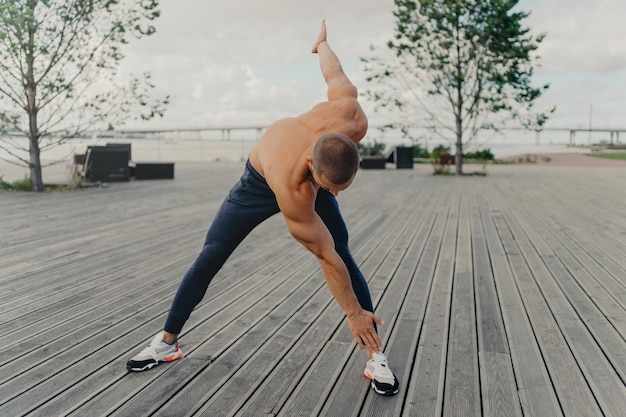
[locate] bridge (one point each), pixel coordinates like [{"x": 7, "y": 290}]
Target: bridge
[
  {"x": 612, "y": 131},
  {"x": 182, "y": 132},
  {"x": 225, "y": 131}
]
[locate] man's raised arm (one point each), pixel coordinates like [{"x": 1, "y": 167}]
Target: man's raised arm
[{"x": 339, "y": 86}]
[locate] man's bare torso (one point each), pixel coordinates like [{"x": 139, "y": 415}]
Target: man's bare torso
[{"x": 280, "y": 156}]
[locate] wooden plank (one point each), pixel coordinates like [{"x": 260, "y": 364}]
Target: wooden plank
[
  {"x": 352, "y": 384},
  {"x": 585, "y": 243},
  {"x": 604, "y": 317},
  {"x": 574, "y": 396},
  {"x": 223, "y": 296},
  {"x": 418, "y": 265},
  {"x": 587, "y": 349},
  {"x": 462, "y": 386},
  {"x": 596, "y": 225},
  {"x": 498, "y": 389},
  {"x": 231, "y": 332},
  {"x": 101, "y": 338},
  {"x": 307, "y": 400},
  {"x": 537, "y": 395},
  {"x": 223, "y": 385},
  {"x": 425, "y": 395},
  {"x": 497, "y": 379}
]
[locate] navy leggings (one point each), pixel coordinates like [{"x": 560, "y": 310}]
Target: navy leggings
[{"x": 250, "y": 202}]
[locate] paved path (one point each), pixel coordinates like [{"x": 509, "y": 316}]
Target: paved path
[{"x": 502, "y": 295}]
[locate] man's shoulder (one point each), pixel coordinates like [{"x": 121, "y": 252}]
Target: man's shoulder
[
  {"x": 287, "y": 176},
  {"x": 343, "y": 102},
  {"x": 334, "y": 116}
]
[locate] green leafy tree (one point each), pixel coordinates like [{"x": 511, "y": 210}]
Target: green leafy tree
[
  {"x": 59, "y": 63},
  {"x": 456, "y": 67}
]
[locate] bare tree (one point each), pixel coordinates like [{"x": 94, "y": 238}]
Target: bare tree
[{"x": 59, "y": 62}]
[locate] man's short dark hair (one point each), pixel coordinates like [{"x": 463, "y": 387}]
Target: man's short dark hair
[{"x": 336, "y": 157}]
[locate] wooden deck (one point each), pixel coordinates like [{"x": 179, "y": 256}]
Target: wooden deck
[{"x": 502, "y": 296}]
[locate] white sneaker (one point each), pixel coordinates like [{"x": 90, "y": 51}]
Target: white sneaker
[
  {"x": 384, "y": 382},
  {"x": 157, "y": 351}
]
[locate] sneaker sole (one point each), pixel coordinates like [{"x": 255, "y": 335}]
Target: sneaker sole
[
  {"x": 385, "y": 393},
  {"x": 376, "y": 390},
  {"x": 173, "y": 357},
  {"x": 144, "y": 368}
]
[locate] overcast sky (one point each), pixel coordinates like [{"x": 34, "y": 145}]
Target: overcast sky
[{"x": 248, "y": 62}]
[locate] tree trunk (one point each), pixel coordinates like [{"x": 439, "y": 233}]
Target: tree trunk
[
  {"x": 458, "y": 159},
  {"x": 459, "y": 154},
  {"x": 33, "y": 137},
  {"x": 31, "y": 96},
  {"x": 35, "y": 166},
  {"x": 459, "y": 103}
]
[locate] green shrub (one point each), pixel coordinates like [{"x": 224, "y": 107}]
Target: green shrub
[
  {"x": 441, "y": 170},
  {"x": 24, "y": 184},
  {"x": 419, "y": 152},
  {"x": 371, "y": 149},
  {"x": 4, "y": 185},
  {"x": 484, "y": 154},
  {"x": 440, "y": 150}
]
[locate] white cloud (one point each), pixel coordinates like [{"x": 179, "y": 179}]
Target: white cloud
[
  {"x": 197, "y": 91},
  {"x": 249, "y": 61},
  {"x": 581, "y": 36},
  {"x": 252, "y": 80}
]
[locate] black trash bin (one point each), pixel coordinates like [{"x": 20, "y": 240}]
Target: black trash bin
[{"x": 404, "y": 157}]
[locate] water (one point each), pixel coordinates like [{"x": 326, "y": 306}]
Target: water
[{"x": 198, "y": 147}]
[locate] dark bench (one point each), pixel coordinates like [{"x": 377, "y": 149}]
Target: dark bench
[
  {"x": 112, "y": 163},
  {"x": 152, "y": 170}
]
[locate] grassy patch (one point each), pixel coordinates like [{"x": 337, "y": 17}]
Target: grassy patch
[
  {"x": 19, "y": 185},
  {"x": 611, "y": 155},
  {"x": 25, "y": 184}
]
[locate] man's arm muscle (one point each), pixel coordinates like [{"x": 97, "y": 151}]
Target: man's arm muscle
[{"x": 308, "y": 228}]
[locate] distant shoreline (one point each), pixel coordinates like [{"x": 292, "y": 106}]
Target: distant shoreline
[
  {"x": 570, "y": 160},
  {"x": 185, "y": 150}
]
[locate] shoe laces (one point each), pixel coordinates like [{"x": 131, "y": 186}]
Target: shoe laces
[
  {"x": 151, "y": 349},
  {"x": 381, "y": 366}
]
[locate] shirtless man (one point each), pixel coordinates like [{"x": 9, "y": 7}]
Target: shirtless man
[{"x": 298, "y": 167}]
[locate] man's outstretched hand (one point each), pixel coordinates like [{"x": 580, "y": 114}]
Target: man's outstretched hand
[
  {"x": 321, "y": 38},
  {"x": 362, "y": 327}
]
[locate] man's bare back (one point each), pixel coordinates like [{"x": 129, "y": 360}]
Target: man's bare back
[{"x": 281, "y": 152}]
